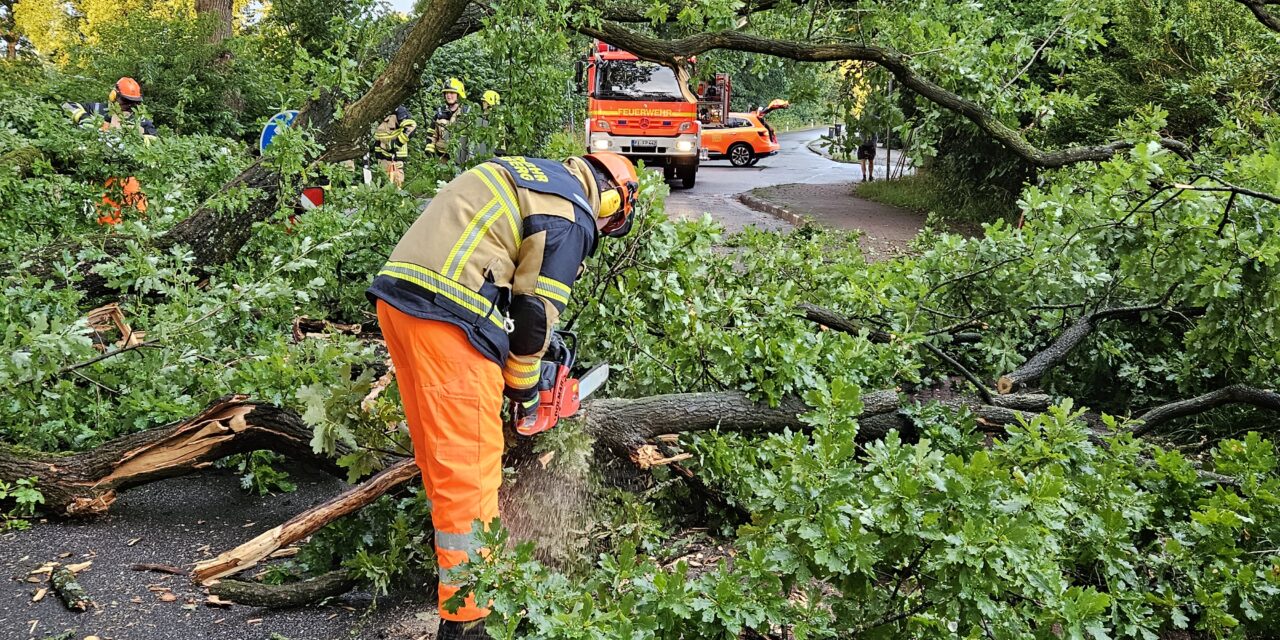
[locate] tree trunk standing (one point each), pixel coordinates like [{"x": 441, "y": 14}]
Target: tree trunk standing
[
  {"x": 219, "y": 14},
  {"x": 8, "y": 23}
]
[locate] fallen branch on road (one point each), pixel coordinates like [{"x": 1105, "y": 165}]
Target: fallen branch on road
[{"x": 86, "y": 483}]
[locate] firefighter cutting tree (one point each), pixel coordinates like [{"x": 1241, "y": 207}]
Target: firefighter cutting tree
[{"x": 468, "y": 303}]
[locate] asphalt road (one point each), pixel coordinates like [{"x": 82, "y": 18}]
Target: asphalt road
[
  {"x": 719, "y": 182},
  {"x": 178, "y": 522}
]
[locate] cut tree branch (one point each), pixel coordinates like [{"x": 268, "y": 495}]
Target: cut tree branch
[
  {"x": 284, "y": 596},
  {"x": 677, "y": 53},
  {"x": 306, "y": 523}
]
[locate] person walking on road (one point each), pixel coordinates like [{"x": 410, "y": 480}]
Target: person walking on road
[
  {"x": 467, "y": 303},
  {"x": 867, "y": 158}
]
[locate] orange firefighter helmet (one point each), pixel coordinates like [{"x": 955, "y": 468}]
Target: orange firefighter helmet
[
  {"x": 128, "y": 89},
  {"x": 618, "y": 196}
]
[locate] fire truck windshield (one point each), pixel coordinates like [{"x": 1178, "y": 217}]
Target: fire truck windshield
[{"x": 636, "y": 80}]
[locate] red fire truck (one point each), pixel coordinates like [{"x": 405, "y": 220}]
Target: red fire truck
[{"x": 642, "y": 110}]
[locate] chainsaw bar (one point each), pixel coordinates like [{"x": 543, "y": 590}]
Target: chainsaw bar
[{"x": 592, "y": 380}]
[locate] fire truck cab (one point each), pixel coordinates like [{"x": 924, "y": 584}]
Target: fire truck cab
[{"x": 642, "y": 110}]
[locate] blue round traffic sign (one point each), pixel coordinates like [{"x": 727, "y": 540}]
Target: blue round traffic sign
[{"x": 282, "y": 119}]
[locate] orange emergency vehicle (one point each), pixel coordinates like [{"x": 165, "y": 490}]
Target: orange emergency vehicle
[
  {"x": 642, "y": 110},
  {"x": 741, "y": 138}
]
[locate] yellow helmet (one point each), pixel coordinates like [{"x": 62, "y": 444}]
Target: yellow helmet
[
  {"x": 491, "y": 98},
  {"x": 454, "y": 85}
]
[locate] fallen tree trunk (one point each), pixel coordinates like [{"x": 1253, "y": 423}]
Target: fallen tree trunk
[
  {"x": 284, "y": 596},
  {"x": 623, "y": 426},
  {"x": 86, "y": 483}
]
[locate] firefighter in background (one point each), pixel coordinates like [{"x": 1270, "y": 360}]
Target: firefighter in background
[
  {"x": 122, "y": 193},
  {"x": 454, "y": 93},
  {"x": 488, "y": 101},
  {"x": 467, "y": 304},
  {"x": 392, "y": 143}
]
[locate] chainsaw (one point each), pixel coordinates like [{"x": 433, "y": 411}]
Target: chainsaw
[{"x": 560, "y": 395}]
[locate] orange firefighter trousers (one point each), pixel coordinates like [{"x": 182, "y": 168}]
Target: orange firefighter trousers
[
  {"x": 129, "y": 192},
  {"x": 452, "y": 398}
]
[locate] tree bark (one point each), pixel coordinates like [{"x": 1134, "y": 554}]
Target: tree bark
[
  {"x": 69, "y": 590},
  {"x": 87, "y": 483},
  {"x": 1260, "y": 11},
  {"x": 284, "y": 596},
  {"x": 1055, "y": 353},
  {"x": 1234, "y": 394},
  {"x": 218, "y": 13},
  {"x": 835, "y": 320}
]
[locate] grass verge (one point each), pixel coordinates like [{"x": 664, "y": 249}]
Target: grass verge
[{"x": 926, "y": 193}]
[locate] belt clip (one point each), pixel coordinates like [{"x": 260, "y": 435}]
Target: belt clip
[{"x": 508, "y": 324}]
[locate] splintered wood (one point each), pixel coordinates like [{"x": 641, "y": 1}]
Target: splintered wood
[
  {"x": 304, "y": 328},
  {"x": 198, "y": 436},
  {"x": 379, "y": 385},
  {"x": 647, "y": 456},
  {"x": 107, "y": 318}
]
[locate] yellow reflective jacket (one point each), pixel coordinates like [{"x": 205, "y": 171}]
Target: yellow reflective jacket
[{"x": 496, "y": 253}]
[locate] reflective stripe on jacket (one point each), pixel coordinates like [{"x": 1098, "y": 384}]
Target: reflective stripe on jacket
[
  {"x": 392, "y": 136},
  {"x": 496, "y": 253},
  {"x": 84, "y": 113}
]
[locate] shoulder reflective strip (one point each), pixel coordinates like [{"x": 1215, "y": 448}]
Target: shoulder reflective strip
[
  {"x": 500, "y": 188},
  {"x": 466, "y": 242},
  {"x": 457, "y": 541},
  {"x": 430, "y": 281},
  {"x": 475, "y": 235}
]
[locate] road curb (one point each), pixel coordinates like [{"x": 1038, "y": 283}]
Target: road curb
[
  {"x": 816, "y": 147},
  {"x": 772, "y": 209}
]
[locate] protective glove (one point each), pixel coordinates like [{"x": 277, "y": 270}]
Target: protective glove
[{"x": 524, "y": 413}]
